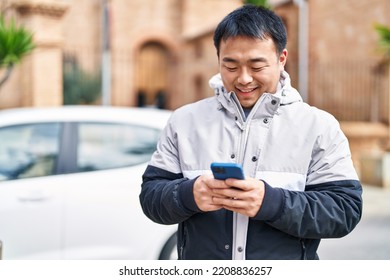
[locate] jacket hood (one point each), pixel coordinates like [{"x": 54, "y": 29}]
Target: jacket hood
[{"x": 285, "y": 92}]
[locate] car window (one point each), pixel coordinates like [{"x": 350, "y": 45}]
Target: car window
[
  {"x": 28, "y": 150},
  {"x": 105, "y": 146}
]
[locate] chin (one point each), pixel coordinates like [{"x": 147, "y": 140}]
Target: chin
[{"x": 247, "y": 105}]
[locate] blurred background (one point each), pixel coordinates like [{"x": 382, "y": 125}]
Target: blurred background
[{"x": 148, "y": 53}]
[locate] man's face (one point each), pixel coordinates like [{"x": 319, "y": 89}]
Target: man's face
[{"x": 250, "y": 67}]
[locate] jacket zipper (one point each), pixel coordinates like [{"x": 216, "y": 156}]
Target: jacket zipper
[
  {"x": 303, "y": 246},
  {"x": 237, "y": 219},
  {"x": 243, "y": 125}
]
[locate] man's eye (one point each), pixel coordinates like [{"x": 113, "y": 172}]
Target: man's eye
[
  {"x": 231, "y": 69},
  {"x": 257, "y": 69}
]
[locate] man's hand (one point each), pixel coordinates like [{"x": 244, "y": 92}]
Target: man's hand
[
  {"x": 203, "y": 194},
  {"x": 241, "y": 196}
]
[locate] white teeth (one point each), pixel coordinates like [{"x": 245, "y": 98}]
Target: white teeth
[{"x": 246, "y": 91}]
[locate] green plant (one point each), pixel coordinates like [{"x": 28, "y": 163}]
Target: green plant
[
  {"x": 80, "y": 87},
  {"x": 263, "y": 3},
  {"x": 15, "y": 43},
  {"x": 384, "y": 38}
]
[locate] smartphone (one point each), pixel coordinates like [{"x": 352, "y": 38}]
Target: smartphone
[{"x": 222, "y": 171}]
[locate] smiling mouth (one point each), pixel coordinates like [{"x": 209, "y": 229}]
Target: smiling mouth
[{"x": 245, "y": 91}]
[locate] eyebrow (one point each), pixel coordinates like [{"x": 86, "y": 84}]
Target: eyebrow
[{"x": 253, "y": 60}]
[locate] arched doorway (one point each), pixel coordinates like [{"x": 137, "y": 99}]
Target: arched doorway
[{"x": 152, "y": 78}]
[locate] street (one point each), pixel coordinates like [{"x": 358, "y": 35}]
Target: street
[{"x": 370, "y": 240}]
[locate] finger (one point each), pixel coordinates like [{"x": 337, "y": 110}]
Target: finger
[
  {"x": 239, "y": 184},
  {"x": 216, "y": 184},
  {"x": 230, "y": 202},
  {"x": 229, "y": 193}
]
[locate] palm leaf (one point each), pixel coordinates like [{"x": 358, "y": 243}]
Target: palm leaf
[{"x": 15, "y": 42}]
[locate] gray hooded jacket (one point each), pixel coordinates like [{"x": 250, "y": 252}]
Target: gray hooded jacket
[{"x": 312, "y": 190}]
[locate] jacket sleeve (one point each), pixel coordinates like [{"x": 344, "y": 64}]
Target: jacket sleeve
[
  {"x": 166, "y": 197},
  {"x": 331, "y": 205},
  {"x": 327, "y": 210}
]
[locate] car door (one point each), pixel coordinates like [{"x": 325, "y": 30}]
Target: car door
[
  {"x": 31, "y": 201},
  {"x": 103, "y": 217}
]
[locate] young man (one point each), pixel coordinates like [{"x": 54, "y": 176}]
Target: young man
[{"x": 300, "y": 183}]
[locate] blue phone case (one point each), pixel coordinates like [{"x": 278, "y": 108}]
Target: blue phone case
[{"x": 222, "y": 171}]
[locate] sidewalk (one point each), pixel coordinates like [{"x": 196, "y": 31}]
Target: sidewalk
[
  {"x": 370, "y": 240},
  {"x": 376, "y": 201}
]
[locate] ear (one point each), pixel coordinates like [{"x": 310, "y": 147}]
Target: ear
[{"x": 283, "y": 58}]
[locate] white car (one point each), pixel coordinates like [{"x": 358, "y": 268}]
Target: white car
[{"x": 70, "y": 179}]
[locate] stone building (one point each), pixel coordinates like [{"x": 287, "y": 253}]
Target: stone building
[
  {"x": 166, "y": 46},
  {"x": 154, "y": 47}
]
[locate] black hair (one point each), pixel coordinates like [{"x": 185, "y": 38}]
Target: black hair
[{"x": 254, "y": 22}]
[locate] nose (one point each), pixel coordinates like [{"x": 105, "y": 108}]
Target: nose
[{"x": 244, "y": 77}]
